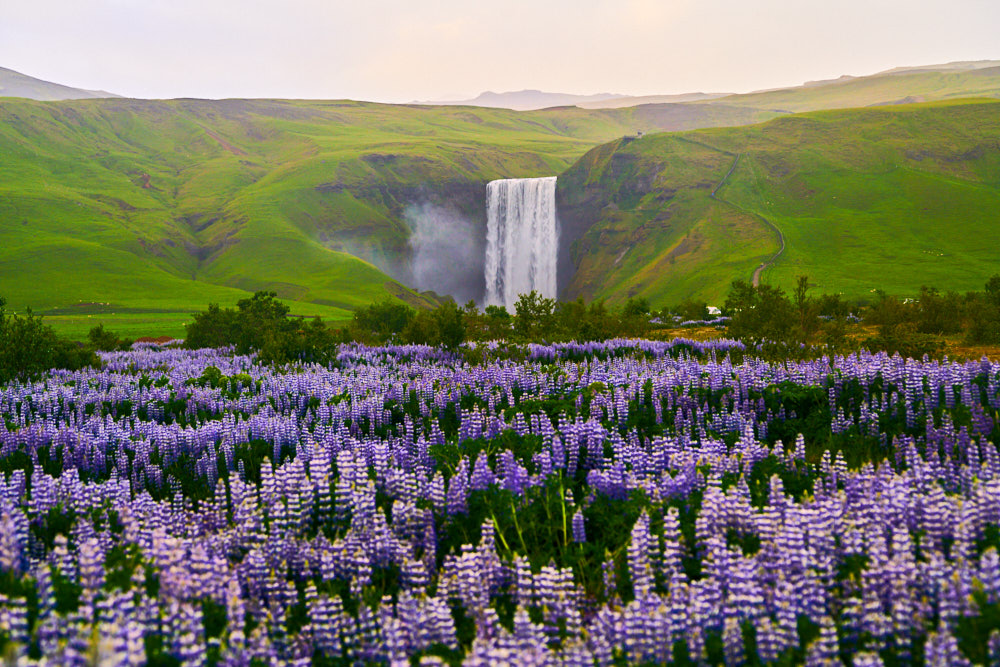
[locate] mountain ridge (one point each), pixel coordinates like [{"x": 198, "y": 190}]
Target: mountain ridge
[{"x": 16, "y": 84}]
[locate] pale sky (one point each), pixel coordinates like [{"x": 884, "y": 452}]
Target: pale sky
[{"x": 404, "y": 50}]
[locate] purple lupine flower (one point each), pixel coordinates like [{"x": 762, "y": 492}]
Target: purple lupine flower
[{"x": 579, "y": 532}]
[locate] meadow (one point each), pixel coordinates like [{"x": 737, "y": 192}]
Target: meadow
[{"x": 617, "y": 502}]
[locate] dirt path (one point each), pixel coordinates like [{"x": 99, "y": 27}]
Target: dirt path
[
  {"x": 781, "y": 237},
  {"x": 726, "y": 178},
  {"x": 774, "y": 258}
]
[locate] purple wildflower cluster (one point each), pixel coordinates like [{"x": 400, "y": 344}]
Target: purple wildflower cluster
[{"x": 318, "y": 515}]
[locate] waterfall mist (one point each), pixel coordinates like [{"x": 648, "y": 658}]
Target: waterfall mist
[
  {"x": 522, "y": 239},
  {"x": 446, "y": 252}
]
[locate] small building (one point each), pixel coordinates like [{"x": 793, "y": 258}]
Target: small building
[{"x": 714, "y": 311}]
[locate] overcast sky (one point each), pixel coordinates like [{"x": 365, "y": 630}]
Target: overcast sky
[{"x": 403, "y": 50}]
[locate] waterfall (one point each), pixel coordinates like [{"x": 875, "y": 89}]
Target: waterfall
[{"x": 522, "y": 241}]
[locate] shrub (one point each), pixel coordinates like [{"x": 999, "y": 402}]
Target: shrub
[
  {"x": 381, "y": 321},
  {"x": 28, "y": 348},
  {"x": 106, "y": 341},
  {"x": 535, "y": 316},
  {"x": 761, "y": 313},
  {"x": 262, "y": 324}
]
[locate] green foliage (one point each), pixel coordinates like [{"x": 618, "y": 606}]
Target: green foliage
[
  {"x": 535, "y": 316},
  {"x": 106, "y": 341},
  {"x": 28, "y": 348},
  {"x": 760, "y": 314},
  {"x": 421, "y": 329},
  {"x": 449, "y": 319},
  {"x": 381, "y": 321},
  {"x": 690, "y": 310},
  {"x": 984, "y": 314},
  {"x": 214, "y": 327},
  {"x": 262, "y": 324},
  {"x": 939, "y": 313}
]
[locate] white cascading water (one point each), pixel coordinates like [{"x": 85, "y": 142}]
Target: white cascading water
[{"x": 522, "y": 239}]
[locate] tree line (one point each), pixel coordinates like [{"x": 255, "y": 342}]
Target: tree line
[{"x": 772, "y": 322}]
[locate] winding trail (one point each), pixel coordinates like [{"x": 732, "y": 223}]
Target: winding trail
[
  {"x": 774, "y": 258},
  {"x": 781, "y": 237}
]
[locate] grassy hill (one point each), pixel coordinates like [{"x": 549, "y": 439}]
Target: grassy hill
[
  {"x": 892, "y": 197},
  {"x": 899, "y": 86},
  {"x": 137, "y": 212}
]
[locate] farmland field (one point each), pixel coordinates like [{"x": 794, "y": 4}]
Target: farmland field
[{"x": 627, "y": 502}]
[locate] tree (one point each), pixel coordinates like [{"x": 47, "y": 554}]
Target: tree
[
  {"x": 635, "y": 316},
  {"x": 28, "y": 348},
  {"x": 535, "y": 316},
  {"x": 993, "y": 290},
  {"x": 691, "y": 310},
  {"x": 382, "y": 320},
  {"x": 214, "y": 327},
  {"x": 498, "y": 322},
  {"x": 759, "y": 314},
  {"x": 421, "y": 329},
  {"x": 261, "y": 319},
  {"x": 104, "y": 340},
  {"x": 450, "y": 324}
]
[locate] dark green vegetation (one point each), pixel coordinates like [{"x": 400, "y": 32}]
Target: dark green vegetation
[
  {"x": 888, "y": 198},
  {"x": 29, "y": 348},
  {"x": 262, "y": 324},
  {"x": 797, "y": 325}
]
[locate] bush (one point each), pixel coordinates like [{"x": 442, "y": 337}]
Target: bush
[
  {"x": 761, "y": 313},
  {"x": 381, "y": 321},
  {"x": 214, "y": 327},
  {"x": 499, "y": 324},
  {"x": 449, "y": 320},
  {"x": 691, "y": 310},
  {"x": 106, "y": 341},
  {"x": 262, "y": 324},
  {"x": 28, "y": 348},
  {"x": 983, "y": 313}
]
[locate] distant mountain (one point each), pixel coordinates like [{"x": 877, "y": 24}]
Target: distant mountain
[
  {"x": 907, "y": 84},
  {"x": 15, "y": 84},
  {"x": 900, "y": 85},
  {"x": 624, "y": 101},
  {"x": 528, "y": 100},
  {"x": 957, "y": 66}
]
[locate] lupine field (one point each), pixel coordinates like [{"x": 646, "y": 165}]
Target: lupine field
[{"x": 628, "y": 502}]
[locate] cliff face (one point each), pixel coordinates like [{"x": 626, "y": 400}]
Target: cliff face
[{"x": 610, "y": 201}]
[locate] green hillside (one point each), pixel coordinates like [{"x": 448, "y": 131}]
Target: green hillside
[
  {"x": 892, "y": 197},
  {"x": 137, "y": 212}
]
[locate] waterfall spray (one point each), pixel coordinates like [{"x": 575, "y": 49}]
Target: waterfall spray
[{"x": 522, "y": 241}]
